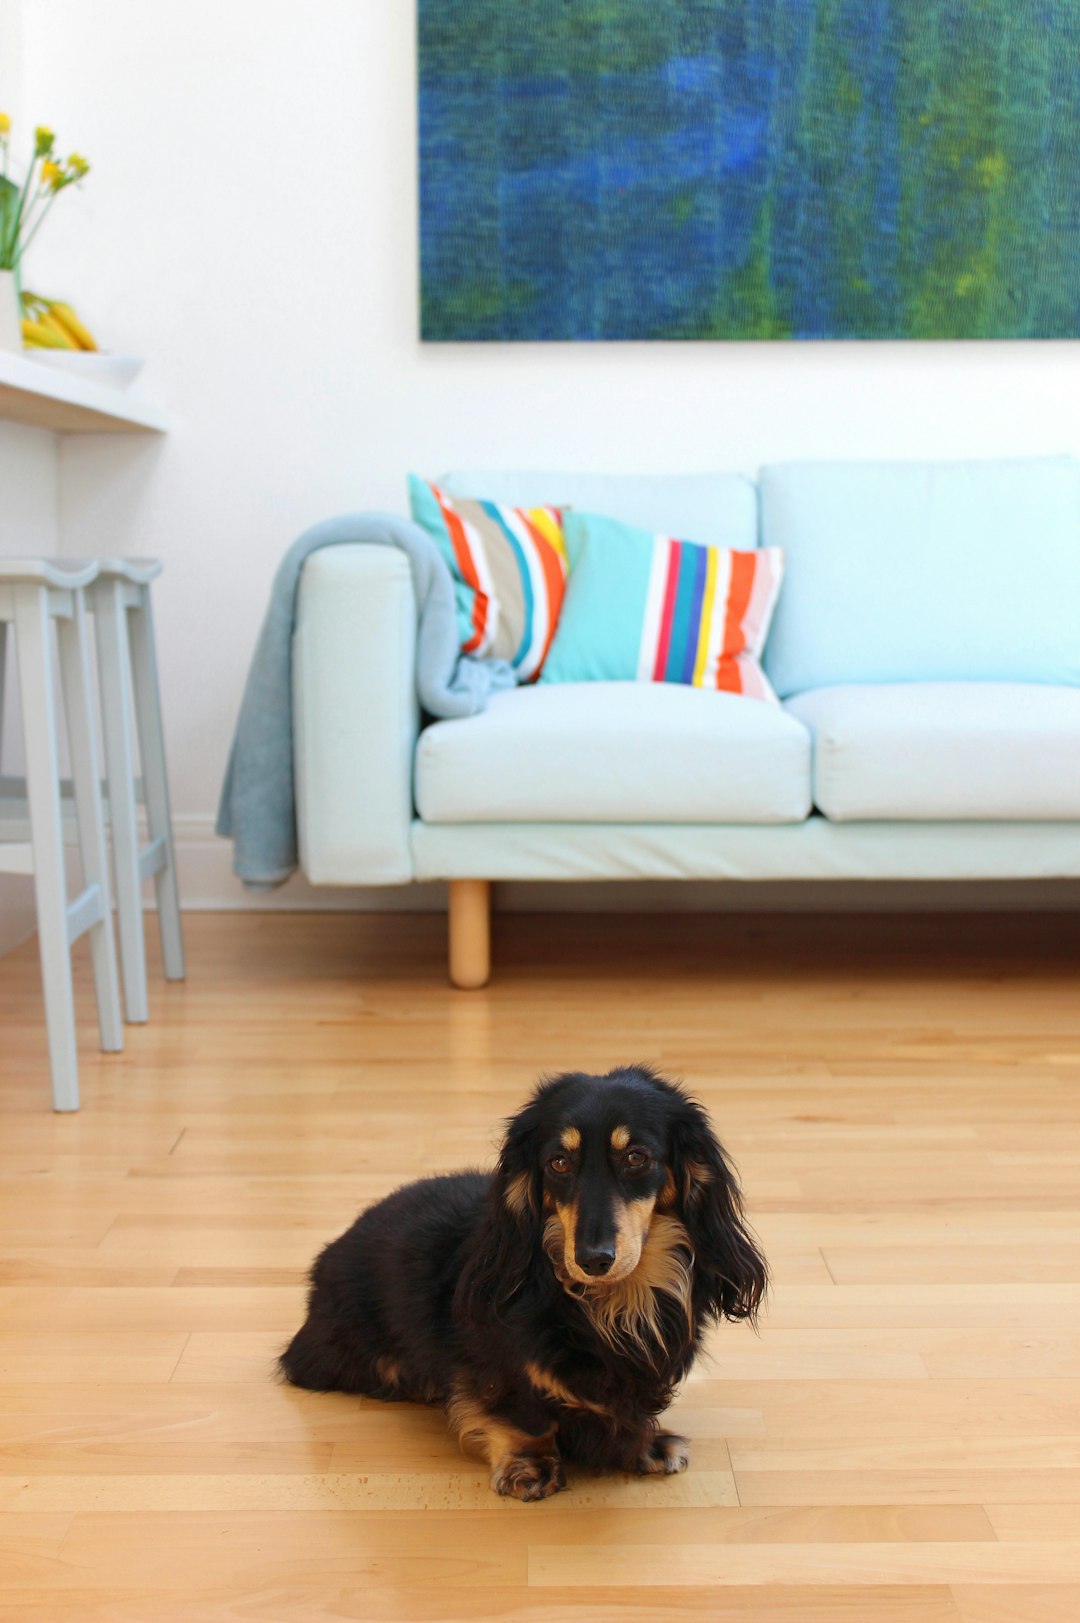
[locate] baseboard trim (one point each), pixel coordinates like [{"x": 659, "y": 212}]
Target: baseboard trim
[{"x": 208, "y": 884}]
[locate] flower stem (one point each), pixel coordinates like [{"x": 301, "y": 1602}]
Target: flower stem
[
  {"x": 37, "y": 224},
  {"x": 39, "y": 198},
  {"x": 14, "y": 240}
]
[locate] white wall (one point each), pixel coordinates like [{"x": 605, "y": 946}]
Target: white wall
[
  {"x": 28, "y": 503},
  {"x": 28, "y": 526},
  {"x": 11, "y": 58},
  {"x": 250, "y": 227}
]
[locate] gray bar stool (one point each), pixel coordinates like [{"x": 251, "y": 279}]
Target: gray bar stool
[
  {"x": 35, "y": 595},
  {"x": 128, "y": 683},
  {"x": 119, "y": 599}
]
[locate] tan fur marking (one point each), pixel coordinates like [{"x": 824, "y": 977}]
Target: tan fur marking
[
  {"x": 620, "y": 1138},
  {"x": 632, "y": 1226},
  {"x": 664, "y": 1454},
  {"x": 665, "y": 1200},
  {"x": 552, "y": 1387},
  {"x": 567, "y": 1217},
  {"x": 518, "y": 1195},
  {"x": 388, "y": 1371},
  {"x": 632, "y": 1219},
  {"x": 497, "y": 1442},
  {"x": 489, "y": 1437},
  {"x": 695, "y": 1179},
  {"x": 627, "y": 1309},
  {"x": 571, "y": 1138}
]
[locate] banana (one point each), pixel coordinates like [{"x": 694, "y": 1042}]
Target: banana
[
  {"x": 37, "y": 336},
  {"x": 57, "y": 330},
  {"x": 59, "y": 319},
  {"x": 65, "y": 315}
]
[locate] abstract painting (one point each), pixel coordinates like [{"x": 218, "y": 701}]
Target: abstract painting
[{"x": 749, "y": 169}]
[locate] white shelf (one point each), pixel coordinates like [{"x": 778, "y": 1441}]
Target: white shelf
[{"x": 44, "y": 397}]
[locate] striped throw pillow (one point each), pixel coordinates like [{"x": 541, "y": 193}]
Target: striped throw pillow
[
  {"x": 509, "y": 569},
  {"x": 650, "y": 608}
]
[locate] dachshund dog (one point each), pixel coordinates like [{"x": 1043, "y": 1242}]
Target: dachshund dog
[{"x": 553, "y": 1307}]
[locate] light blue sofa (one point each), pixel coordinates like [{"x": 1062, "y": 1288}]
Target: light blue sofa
[{"x": 926, "y": 649}]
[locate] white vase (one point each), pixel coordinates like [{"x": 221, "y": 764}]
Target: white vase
[{"x": 10, "y": 313}]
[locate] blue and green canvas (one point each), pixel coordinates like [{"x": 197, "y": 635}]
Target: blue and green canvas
[{"x": 695, "y": 169}]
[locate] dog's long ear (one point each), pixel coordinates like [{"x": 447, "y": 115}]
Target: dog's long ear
[
  {"x": 507, "y": 1244},
  {"x": 709, "y": 1202}
]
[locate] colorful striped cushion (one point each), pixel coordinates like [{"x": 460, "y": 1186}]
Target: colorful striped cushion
[
  {"x": 509, "y": 569},
  {"x": 649, "y": 608}
]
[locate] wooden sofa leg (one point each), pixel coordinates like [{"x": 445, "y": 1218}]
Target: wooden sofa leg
[{"x": 470, "y": 932}]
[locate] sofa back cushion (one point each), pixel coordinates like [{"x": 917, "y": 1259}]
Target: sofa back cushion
[
  {"x": 924, "y": 572},
  {"x": 718, "y": 509}
]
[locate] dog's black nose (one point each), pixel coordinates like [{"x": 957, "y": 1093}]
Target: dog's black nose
[{"x": 596, "y": 1262}]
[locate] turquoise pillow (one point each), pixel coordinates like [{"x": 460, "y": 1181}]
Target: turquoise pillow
[{"x": 649, "y": 608}]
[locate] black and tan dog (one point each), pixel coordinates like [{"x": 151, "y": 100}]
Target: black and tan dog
[{"x": 554, "y": 1306}]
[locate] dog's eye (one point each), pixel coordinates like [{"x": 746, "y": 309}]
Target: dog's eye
[
  {"x": 559, "y": 1164},
  {"x": 636, "y": 1159}
]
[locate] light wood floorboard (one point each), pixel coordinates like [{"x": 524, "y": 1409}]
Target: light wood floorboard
[{"x": 899, "y": 1444}]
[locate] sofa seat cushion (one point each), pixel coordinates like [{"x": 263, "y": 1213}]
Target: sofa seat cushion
[
  {"x": 944, "y": 750},
  {"x": 620, "y": 752}
]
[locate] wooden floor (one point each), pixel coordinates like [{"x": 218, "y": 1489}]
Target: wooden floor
[{"x": 900, "y": 1444}]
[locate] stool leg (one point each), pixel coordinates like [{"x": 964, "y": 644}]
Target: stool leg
[
  {"x": 82, "y": 748},
  {"x": 3, "y": 673},
  {"x": 156, "y": 780},
  {"x": 114, "y": 678},
  {"x": 34, "y": 652}
]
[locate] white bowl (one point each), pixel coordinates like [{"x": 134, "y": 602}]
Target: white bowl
[{"x": 114, "y": 371}]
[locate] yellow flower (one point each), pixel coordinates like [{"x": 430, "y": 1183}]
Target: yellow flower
[
  {"x": 78, "y": 165},
  {"x": 52, "y": 176},
  {"x": 43, "y": 141},
  {"x": 5, "y": 125}
]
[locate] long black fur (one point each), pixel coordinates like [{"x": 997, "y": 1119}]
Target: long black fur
[{"x": 444, "y": 1292}]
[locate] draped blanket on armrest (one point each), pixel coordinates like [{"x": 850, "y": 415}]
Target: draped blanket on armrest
[{"x": 258, "y": 799}]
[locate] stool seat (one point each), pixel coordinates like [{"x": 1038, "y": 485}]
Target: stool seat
[
  {"x": 139, "y": 571},
  {"x": 71, "y": 572},
  {"x": 136, "y": 571},
  {"x": 68, "y": 573}
]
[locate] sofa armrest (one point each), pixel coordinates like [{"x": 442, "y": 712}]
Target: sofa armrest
[{"x": 355, "y": 715}]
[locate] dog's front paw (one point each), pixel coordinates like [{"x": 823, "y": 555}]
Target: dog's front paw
[
  {"x": 665, "y": 1454},
  {"x": 529, "y": 1476}
]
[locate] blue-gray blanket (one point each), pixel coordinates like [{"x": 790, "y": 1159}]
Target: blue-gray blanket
[{"x": 258, "y": 801}]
